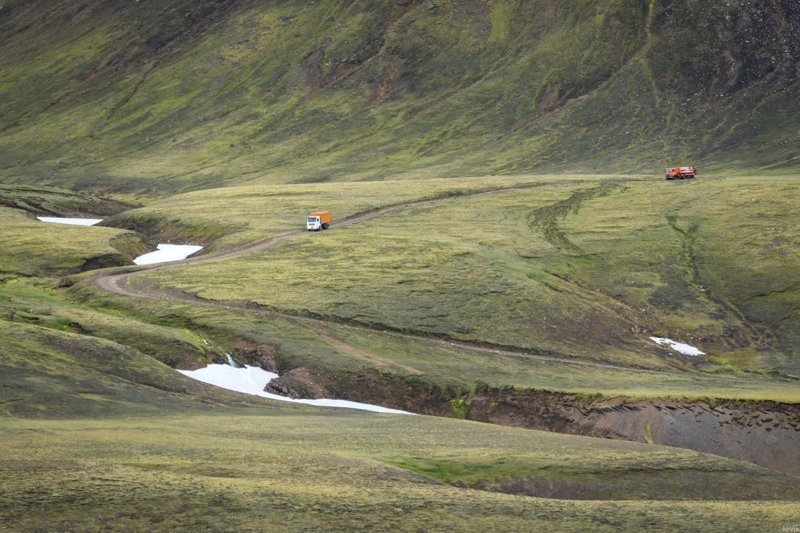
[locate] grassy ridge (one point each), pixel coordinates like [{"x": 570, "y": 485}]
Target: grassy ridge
[
  {"x": 191, "y": 95},
  {"x": 31, "y": 247},
  {"x": 589, "y": 269},
  {"x": 196, "y": 470},
  {"x": 56, "y": 201},
  {"x": 337, "y": 350},
  {"x": 26, "y": 303},
  {"x": 232, "y": 216}
]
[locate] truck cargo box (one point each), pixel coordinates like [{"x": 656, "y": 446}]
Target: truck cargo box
[{"x": 318, "y": 220}]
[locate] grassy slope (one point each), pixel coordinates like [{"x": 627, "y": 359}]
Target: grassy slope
[
  {"x": 30, "y": 247},
  {"x": 120, "y": 97},
  {"x": 102, "y": 435},
  {"x": 335, "y": 350},
  {"x": 294, "y": 470},
  {"x": 714, "y": 259},
  {"x": 583, "y": 267},
  {"x": 33, "y": 248},
  {"x": 553, "y": 260},
  {"x": 57, "y": 201},
  {"x": 33, "y": 303},
  {"x": 231, "y": 216}
]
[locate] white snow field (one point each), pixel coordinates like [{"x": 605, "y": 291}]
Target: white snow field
[
  {"x": 166, "y": 253},
  {"x": 685, "y": 349},
  {"x": 252, "y": 380},
  {"x": 73, "y": 221}
]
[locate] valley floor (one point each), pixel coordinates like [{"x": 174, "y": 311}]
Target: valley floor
[
  {"x": 289, "y": 470},
  {"x": 539, "y": 312}
]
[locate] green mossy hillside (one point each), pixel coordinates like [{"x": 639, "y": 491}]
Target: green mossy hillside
[
  {"x": 33, "y": 248},
  {"x": 293, "y": 469},
  {"x": 586, "y": 268},
  {"x": 152, "y": 97}
]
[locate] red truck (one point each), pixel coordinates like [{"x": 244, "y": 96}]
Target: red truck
[{"x": 680, "y": 173}]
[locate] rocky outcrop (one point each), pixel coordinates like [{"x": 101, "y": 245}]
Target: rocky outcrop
[{"x": 298, "y": 383}]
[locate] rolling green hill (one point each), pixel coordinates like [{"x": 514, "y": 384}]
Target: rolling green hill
[
  {"x": 163, "y": 97},
  {"x": 503, "y": 250},
  {"x": 579, "y": 267}
]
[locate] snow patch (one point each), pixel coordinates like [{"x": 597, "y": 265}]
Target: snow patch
[
  {"x": 247, "y": 380},
  {"x": 252, "y": 380},
  {"x": 685, "y": 349},
  {"x": 73, "y": 221},
  {"x": 166, "y": 253}
]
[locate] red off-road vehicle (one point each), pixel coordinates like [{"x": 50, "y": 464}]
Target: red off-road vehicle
[{"x": 680, "y": 173}]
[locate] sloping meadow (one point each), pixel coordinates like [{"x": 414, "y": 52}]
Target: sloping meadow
[
  {"x": 298, "y": 470},
  {"x": 589, "y": 268}
]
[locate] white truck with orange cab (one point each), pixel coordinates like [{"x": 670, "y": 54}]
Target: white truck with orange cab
[{"x": 318, "y": 220}]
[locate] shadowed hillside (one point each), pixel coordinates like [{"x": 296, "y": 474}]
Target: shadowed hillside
[{"x": 149, "y": 96}]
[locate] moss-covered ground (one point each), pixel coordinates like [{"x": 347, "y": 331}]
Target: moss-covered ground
[
  {"x": 297, "y": 469},
  {"x": 31, "y": 247},
  {"x": 147, "y": 98},
  {"x": 232, "y": 216},
  {"x": 99, "y": 431},
  {"x": 98, "y": 434},
  {"x": 588, "y": 269}
]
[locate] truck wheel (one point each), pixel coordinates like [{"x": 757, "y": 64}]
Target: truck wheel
[{"x": 325, "y": 226}]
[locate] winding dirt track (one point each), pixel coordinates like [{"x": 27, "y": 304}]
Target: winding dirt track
[{"x": 117, "y": 283}]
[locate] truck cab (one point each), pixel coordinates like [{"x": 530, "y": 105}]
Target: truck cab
[{"x": 318, "y": 220}]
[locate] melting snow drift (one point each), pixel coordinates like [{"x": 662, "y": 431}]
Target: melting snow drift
[
  {"x": 166, "y": 253},
  {"x": 74, "y": 221},
  {"x": 685, "y": 349},
  {"x": 252, "y": 380}
]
